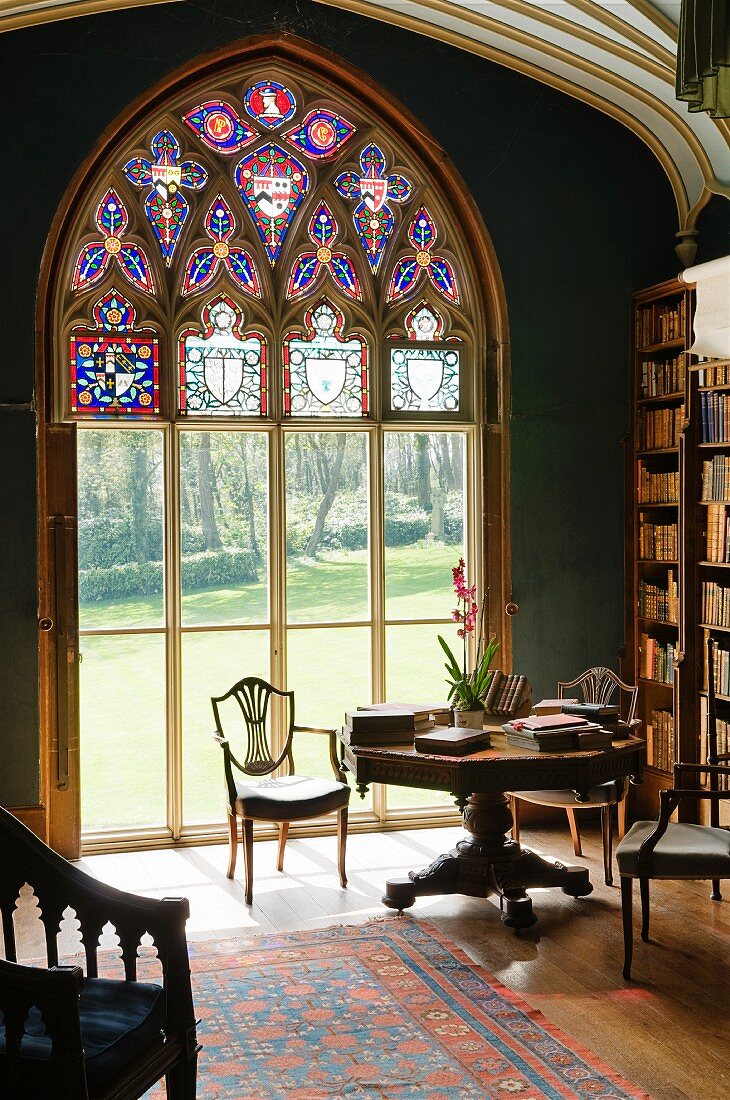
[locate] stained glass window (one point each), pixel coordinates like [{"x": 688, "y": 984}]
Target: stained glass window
[
  {"x": 325, "y": 374},
  {"x": 249, "y": 245},
  {"x": 424, "y": 379},
  {"x": 222, "y": 369},
  {"x": 114, "y": 368}
]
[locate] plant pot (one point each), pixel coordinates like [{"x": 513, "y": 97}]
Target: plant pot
[{"x": 469, "y": 719}]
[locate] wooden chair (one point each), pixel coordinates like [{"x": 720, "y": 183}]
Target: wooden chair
[
  {"x": 72, "y": 1037},
  {"x": 285, "y": 799},
  {"x": 598, "y": 685},
  {"x": 674, "y": 850}
]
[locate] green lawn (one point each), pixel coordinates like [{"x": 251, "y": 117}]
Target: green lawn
[{"x": 123, "y": 692}]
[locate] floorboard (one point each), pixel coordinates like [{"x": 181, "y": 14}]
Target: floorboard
[{"x": 667, "y": 1030}]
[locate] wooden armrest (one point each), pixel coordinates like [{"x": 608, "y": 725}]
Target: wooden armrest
[
  {"x": 669, "y": 799},
  {"x": 716, "y": 769},
  {"x": 315, "y": 729},
  {"x": 56, "y": 992}
]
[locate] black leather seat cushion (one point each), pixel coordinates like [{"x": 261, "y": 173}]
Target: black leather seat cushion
[
  {"x": 119, "y": 1020},
  {"x": 289, "y": 798},
  {"x": 606, "y": 794},
  {"x": 685, "y": 851}
]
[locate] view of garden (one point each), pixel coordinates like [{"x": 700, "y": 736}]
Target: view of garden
[{"x": 224, "y": 584}]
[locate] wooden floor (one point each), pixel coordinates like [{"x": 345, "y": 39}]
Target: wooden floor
[{"x": 667, "y": 1031}]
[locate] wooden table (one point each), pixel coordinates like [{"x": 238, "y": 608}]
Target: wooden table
[{"x": 487, "y": 861}]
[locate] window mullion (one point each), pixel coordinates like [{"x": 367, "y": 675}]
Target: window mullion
[
  {"x": 172, "y": 573},
  {"x": 377, "y": 586},
  {"x": 277, "y": 572}
]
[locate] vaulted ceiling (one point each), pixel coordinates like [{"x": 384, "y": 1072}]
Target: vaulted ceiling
[{"x": 616, "y": 55}]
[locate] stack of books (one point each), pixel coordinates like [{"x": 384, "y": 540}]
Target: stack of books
[
  {"x": 557, "y": 733},
  {"x": 391, "y": 723}
]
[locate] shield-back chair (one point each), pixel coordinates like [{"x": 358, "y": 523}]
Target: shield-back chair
[
  {"x": 262, "y": 797},
  {"x": 602, "y": 686}
]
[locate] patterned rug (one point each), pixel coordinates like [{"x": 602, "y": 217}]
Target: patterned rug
[{"x": 387, "y": 1010}]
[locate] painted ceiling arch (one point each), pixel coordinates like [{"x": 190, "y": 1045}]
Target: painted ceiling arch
[{"x": 616, "y": 55}]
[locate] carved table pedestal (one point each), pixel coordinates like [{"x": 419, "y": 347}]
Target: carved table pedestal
[{"x": 486, "y": 861}]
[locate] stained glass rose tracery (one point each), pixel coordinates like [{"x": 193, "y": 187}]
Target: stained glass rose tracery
[{"x": 254, "y": 191}]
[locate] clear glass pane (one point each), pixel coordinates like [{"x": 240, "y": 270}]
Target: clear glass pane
[
  {"x": 222, "y": 368},
  {"x": 212, "y": 663},
  {"x": 123, "y": 755},
  {"x": 327, "y": 526},
  {"x": 414, "y": 672},
  {"x": 223, "y": 527},
  {"x": 424, "y": 379},
  {"x": 424, "y": 522},
  {"x": 329, "y": 672},
  {"x": 120, "y": 497},
  {"x": 325, "y": 374}
]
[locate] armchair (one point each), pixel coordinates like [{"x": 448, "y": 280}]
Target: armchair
[
  {"x": 284, "y": 799},
  {"x": 82, "y": 1037},
  {"x": 675, "y": 850}
]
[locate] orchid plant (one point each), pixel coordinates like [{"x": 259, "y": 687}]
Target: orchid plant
[{"x": 469, "y": 689}]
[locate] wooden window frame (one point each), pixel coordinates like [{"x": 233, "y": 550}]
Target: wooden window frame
[{"x": 488, "y": 483}]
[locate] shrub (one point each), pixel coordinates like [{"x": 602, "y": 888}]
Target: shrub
[
  {"x": 109, "y": 540},
  {"x": 454, "y": 519},
  {"x": 209, "y": 569}
]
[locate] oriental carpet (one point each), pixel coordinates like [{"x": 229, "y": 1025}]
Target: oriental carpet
[{"x": 388, "y": 1010}]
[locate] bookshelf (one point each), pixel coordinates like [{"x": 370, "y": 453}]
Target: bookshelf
[
  {"x": 709, "y": 394},
  {"x": 657, "y": 490},
  {"x": 678, "y": 540}
]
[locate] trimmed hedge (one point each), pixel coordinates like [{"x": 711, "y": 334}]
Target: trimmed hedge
[{"x": 209, "y": 569}]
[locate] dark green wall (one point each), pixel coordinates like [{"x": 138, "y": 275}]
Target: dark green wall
[{"x": 580, "y": 214}]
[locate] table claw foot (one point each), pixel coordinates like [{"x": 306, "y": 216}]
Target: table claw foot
[
  {"x": 440, "y": 877},
  {"x": 514, "y": 902}
]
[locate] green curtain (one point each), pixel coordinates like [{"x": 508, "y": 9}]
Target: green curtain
[{"x": 703, "y": 56}]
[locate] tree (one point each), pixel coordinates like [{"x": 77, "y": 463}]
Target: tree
[
  {"x": 206, "y": 491},
  {"x": 423, "y": 470},
  {"x": 329, "y": 496}
]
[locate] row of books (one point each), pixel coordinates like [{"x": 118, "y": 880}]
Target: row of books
[
  {"x": 718, "y": 533},
  {"x": 658, "y": 488},
  {"x": 716, "y": 478},
  {"x": 715, "y": 417},
  {"x": 656, "y": 659},
  {"x": 722, "y": 728},
  {"x": 714, "y": 376},
  {"x": 658, "y": 324},
  {"x": 721, "y": 666},
  {"x": 658, "y": 541},
  {"x": 507, "y": 692},
  {"x": 659, "y": 428},
  {"x": 656, "y": 602},
  {"x": 663, "y": 377},
  {"x": 660, "y": 740},
  {"x": 715, "y": 604}
]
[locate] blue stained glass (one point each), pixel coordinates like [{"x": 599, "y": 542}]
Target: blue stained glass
[
  {"x": 220, "y": 127},
  {"x": 373, "y": 218},
  {"x": 320, "y": 134}
]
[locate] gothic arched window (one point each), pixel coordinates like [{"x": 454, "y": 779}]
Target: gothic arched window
[{"x": 270, "y": 338}]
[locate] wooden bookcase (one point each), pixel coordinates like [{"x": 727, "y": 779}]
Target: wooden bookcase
[
  {"x": 658, "y": 648},
  {"x": 678, "y": 539}
]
